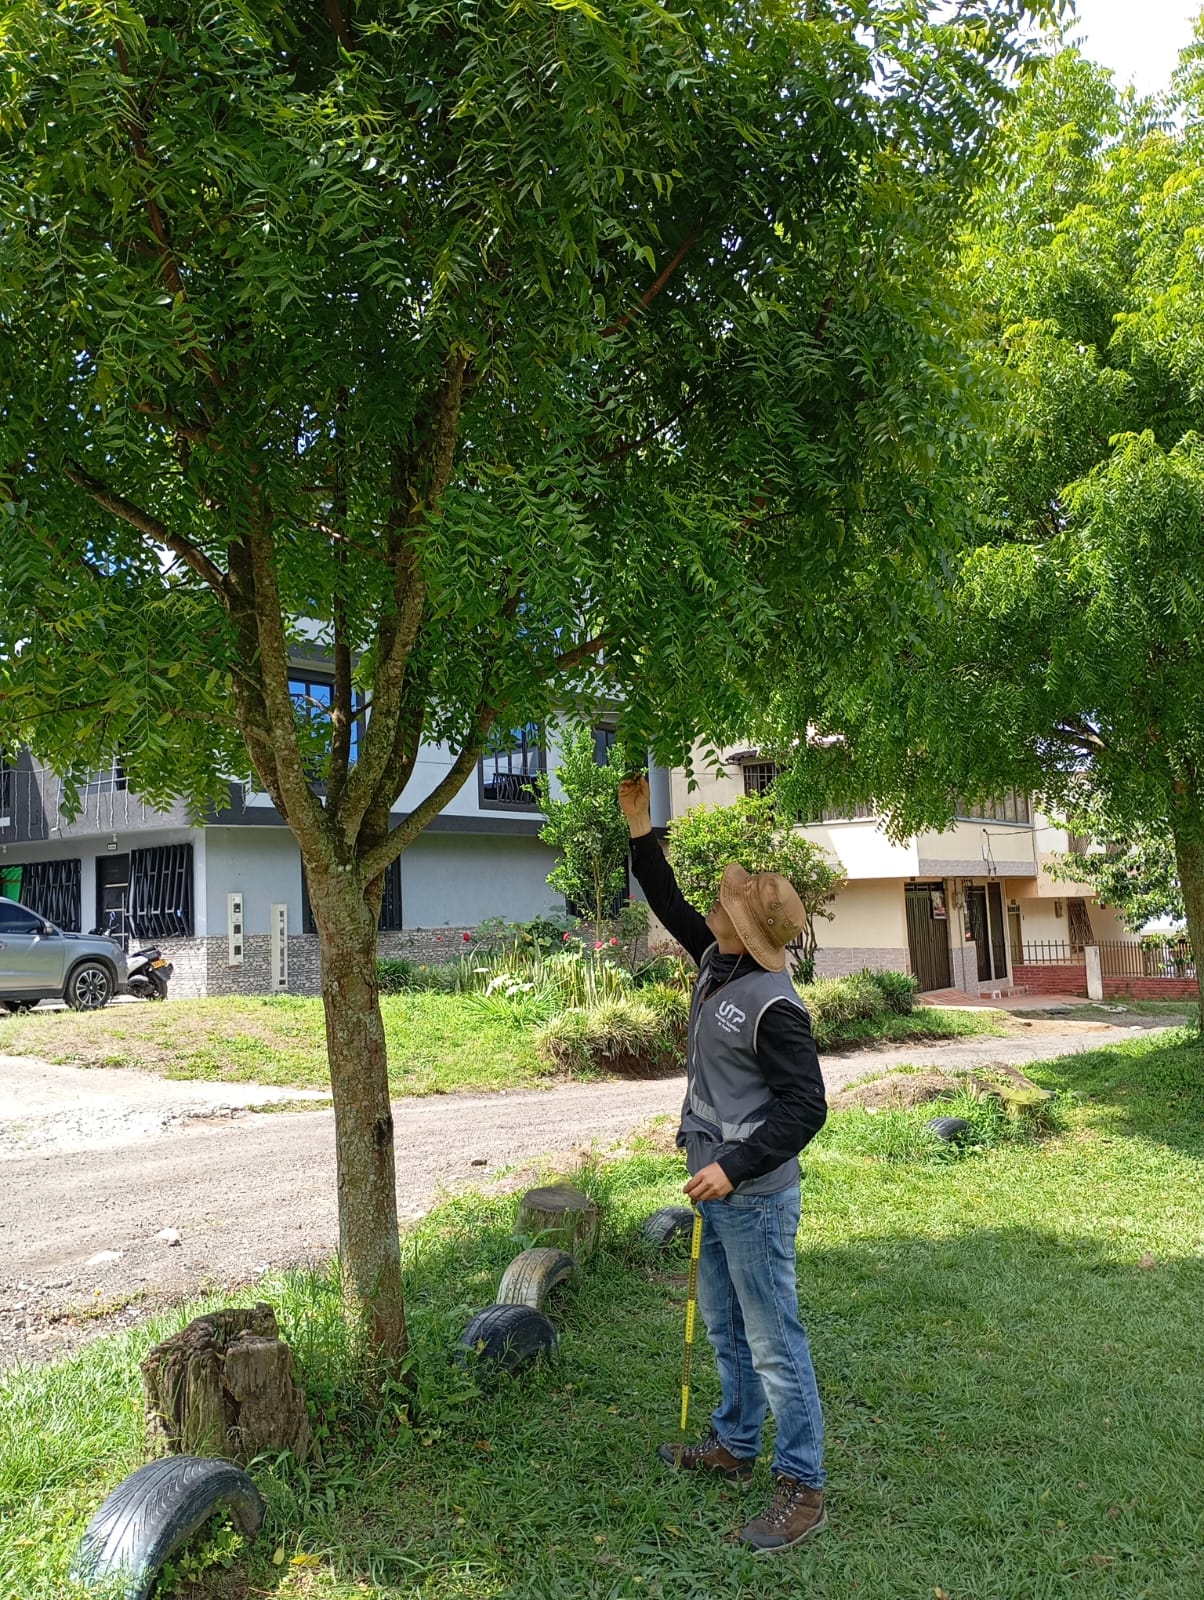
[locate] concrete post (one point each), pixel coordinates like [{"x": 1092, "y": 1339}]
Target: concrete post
[{"x": 1095, "y": 974}]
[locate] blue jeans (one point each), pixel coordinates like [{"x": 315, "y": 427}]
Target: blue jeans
[{"x": 748, "y": 1297}]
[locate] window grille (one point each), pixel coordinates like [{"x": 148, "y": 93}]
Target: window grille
[
  {"x": 390, "y": 905},
  {"x": 759, "y": 776},
  {"x": 1011, "y": 806},
  {"x": 160, "y": 903},
  {"x": 508, "y": 773},
  {"x": 51, "y": 888}
]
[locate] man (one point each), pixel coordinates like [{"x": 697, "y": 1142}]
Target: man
[{"x": 754, "y": 1099}]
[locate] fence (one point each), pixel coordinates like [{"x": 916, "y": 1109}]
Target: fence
[
  {"x": 1163, "y": 958},
  {"x": 1051, "y": 953}
]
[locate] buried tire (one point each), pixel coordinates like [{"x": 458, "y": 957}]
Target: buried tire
[
  {"x": 510, "y": 1337},
  {"x": 531, "y": 1277},
  {"x": 953, "y": 1130},
  {"x": 152, "y": 1513},
  {"x": 669, "y": 1226}
]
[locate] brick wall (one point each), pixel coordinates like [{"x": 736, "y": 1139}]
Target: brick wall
[
  {"x": 1151, "y": 989},
  {"x": 1070, "y": 978}
]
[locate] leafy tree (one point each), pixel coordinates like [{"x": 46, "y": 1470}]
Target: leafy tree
[
  {"x": 511, "y": 354},
  {"x": 587, "y": 828},
  {"x": 705, "y": 839},
  {"x": 1065, "y": 654},
  {"x": 1137, "y": 875}
]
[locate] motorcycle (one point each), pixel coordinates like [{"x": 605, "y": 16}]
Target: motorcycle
[{"x": 147, "y": 971}]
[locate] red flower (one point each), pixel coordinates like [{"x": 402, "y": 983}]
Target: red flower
[
  {"x": 614, "y": 941},
  {"x": 468, "y": 938},
  {"x": 565, "y": 937},
  {"x": 438, "y": 938},
  {"x": 597, "y": 944}
]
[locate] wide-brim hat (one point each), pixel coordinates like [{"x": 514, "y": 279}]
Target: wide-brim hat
[{"x": 766, "y": 912}]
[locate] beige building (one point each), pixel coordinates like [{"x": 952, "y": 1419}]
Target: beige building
[{"x": 961, "y": 909}]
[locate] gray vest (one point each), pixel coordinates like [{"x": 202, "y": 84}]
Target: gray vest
[{"x": 726, "y": 1095}]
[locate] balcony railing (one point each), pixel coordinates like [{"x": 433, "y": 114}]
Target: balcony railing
[{"x": 33, "y": 807}]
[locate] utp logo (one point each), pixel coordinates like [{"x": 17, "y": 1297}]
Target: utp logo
[{"x": 729, "y": 1016}]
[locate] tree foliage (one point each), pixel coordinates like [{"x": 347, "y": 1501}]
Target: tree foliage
[
  {"x": 586, "y": 827},
  {"x": 1064, "y": 653},
  {"x": 510, "y": 355},
  {"x": 704, "y": 840},
  {"x": 1137, "y": 876}
]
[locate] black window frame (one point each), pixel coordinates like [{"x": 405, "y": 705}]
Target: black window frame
[
  {"x": 756, "y": 781},
  {"x": 54, "y": 890},
  {"x": 161, "y": 898},
  {"x": 529, "y": 780},
  {"x": 301, "y": 684},
  {"x": 392, "y": 908},
  {"x": 112, "y": 781}
]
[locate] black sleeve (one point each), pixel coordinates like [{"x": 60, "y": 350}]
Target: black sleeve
[
  {"x": 655, "y": 878},
  {"x": 787, "y": 1057}
]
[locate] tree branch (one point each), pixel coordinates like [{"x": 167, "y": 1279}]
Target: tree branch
[
  {"x": 582, "y": 652},
  {"x": 626, "y": 448},
  {"x": 657, "y": 285},
  {"x": 340, "y": 25},
  {"x": 154, "y": 529}
]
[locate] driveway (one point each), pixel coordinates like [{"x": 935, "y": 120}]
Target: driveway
[{"x": 95, "y": 1163}]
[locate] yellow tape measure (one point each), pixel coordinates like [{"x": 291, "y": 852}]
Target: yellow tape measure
[{"x": 691, "y": 1308}]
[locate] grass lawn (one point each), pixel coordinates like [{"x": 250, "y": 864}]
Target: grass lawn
[
  {"x": 1010, "y": 1347},
  {"x": 1169, "y": 1011},
  {"x": 438, "y": 1043}
]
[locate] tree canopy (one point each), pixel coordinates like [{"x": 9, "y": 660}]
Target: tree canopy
[
  {"x": 586, "y": 828},
  {"x": 508, "y": 354},
  {"x": 1064, "y": 652}
]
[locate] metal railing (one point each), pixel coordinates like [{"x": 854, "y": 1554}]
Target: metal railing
[
  {"x": 1152, "y": 958},
  {"x": 1052, "y": 953}
]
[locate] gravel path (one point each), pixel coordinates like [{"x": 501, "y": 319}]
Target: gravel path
[{"x": 94, "y": 1163}]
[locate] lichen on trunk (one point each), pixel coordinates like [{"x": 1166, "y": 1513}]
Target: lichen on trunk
[{"x": 369, "y": 1253}]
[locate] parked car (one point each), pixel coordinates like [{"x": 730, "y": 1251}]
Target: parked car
[{"x": 40, "y": 962}]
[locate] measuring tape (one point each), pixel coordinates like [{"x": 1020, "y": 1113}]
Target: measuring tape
[{"x": 691, "y": 1308}]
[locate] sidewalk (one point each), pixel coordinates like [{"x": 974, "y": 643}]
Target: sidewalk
[{"x": 959, "y": 1000}]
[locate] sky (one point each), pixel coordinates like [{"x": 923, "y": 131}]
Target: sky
[{"x": 1139, "y": 39}]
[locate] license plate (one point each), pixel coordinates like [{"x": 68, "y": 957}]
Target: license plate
[{"x": 160, "y": 963}]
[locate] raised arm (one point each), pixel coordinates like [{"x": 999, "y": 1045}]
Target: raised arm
[{"x": 655, "y": 875}]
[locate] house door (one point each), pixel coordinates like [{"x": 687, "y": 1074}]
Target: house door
[
  {"x": 984, "y": 907},
  {"x": 113, "y": 896},
  {"x": 927, "y": 935}
]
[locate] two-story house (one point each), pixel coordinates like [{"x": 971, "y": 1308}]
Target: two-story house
[
  {"x": 224, "y": 894},
  {"x": 961, "y": 908}
]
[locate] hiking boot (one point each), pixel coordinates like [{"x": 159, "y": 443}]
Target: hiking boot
[
  {"x": 709, "y": 1456},
  {"x": 795, "y": 1513}
]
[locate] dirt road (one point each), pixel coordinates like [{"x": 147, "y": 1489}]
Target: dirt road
[{"x": 94, "y": 1163}]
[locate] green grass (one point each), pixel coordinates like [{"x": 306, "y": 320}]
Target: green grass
[
  {"x": 438, "y": 1043},
  {"x": 1116, "y": 1011},
  {"x": 1009, "y": 1345},
  {"x": 925, "y": 1023}
]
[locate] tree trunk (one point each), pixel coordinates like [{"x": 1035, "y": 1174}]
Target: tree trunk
[
  {"x": 369, "y": 1253},
  {"x": 1188, "y": 828}
]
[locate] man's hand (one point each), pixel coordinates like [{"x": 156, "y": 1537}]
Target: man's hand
[
  {"x": 636, "y": 805},
  {"x": 712, "y": 1183}
]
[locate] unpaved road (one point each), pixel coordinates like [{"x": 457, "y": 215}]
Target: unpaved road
[{"x": 93, "y": 1163}]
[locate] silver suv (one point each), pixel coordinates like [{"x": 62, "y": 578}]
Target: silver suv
[{"x": 40, "y": 962}]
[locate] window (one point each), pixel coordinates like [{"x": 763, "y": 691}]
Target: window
[
  {"x": 604, "y": 742},
  {"x": 759, "y": 776},
  {"x": 1011, "y": 806},
  {"x": 160, "y": 903},
  {"x": 16, "y": 919},
  {"x": 7, "y": 784},
  {"x": 110, "y": 781},
  {"x": 51, "y": 888},
  {"x": 510, "y": 768},
  {"x": 313, "y": 697}
]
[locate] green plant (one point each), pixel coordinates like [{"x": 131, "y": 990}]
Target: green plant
[
  {"x": 395, "y": 973},
  {"x": 585, "y": 826},
  {"x": 630, "y": 1036},
  {"x": 899, "y": 989}
]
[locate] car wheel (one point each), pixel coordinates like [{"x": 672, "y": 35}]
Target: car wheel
[
  {"x": 152, "y": 1513},
  {"x": 89, "y": 987}
]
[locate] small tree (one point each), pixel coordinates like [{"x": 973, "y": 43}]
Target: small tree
[
  {"x": 587, "y": 828},
  {"x": 704, "y": 840}
]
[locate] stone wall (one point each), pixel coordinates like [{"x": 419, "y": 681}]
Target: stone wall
[
  {"x": 839, "y": 963},
  {"x": 215, "y": 975}
]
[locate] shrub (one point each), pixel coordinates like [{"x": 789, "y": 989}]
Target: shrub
[
  {"x": 899, "y": 989},
  {"x": 628, "y": 1036},
  {"x": 834, "y": 1002},
  {"x": 395, "y": 973}
]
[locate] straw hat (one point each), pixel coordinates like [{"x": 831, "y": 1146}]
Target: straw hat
[{"x": 765, "y": 911}]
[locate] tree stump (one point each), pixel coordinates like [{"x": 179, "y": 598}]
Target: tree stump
[
  {"x": 562, "y": 1218},
  {"x": 224, "y": 1386}
]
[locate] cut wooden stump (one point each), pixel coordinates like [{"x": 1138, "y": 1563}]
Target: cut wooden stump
[
  {"x": 562, "y": 1218},
  {"x": 1019, "y": 1096},
  {"x": 225, "y": 1386}
]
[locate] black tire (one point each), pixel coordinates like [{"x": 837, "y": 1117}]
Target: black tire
[
  {"x": 89, "y": 986},
  {"x": 158, "y": 986},
  {"x": 531, "y": 1277},
  {"x": 509, "y": 1337},
  {"x": 669, "y": 1226},
  {"x": 156, "y": 1510},
  {"x": 952, "y": 1129}
]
